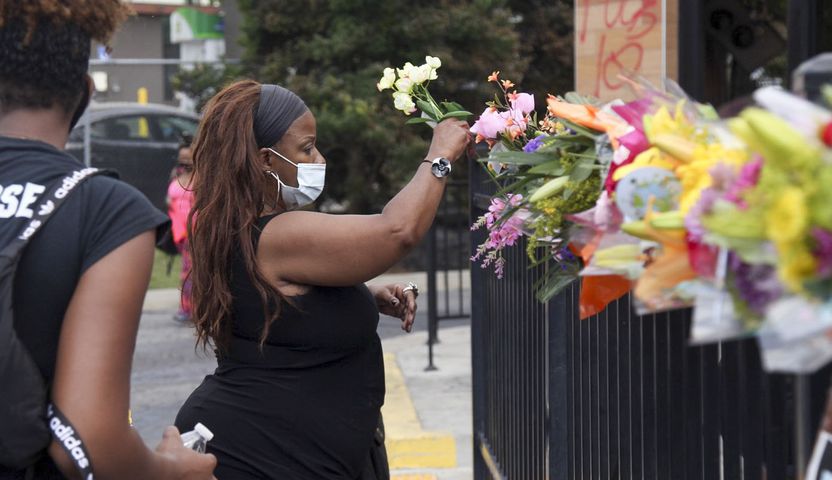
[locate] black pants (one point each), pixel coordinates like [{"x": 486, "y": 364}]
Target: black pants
[{"x": 377, "y": 467}]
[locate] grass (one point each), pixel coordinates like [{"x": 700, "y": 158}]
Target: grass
[{"x": 160, "y": 278}]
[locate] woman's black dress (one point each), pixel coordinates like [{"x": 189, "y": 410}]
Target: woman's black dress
[{"x": 307, "y": 406}]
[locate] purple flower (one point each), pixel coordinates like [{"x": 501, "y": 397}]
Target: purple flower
[
  {"x": 823, "y": 251},
  {"x": 534, "y": 144},
  {"x": 756, "y": 285},
  {"x": 722, "y": 176},
  {"x": 502, "y": 231},
  {"x": 693, "y": 220}
]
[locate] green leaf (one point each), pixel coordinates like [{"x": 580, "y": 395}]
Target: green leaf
[
  {"x": 521, "y": 158},
  {"x": 417, "y": 120},
  {"x": 428, "y": 109},
  {"x": 553, "y": 282},
  {"x": 553, "y": 168},
  {"x": 452, "y": 106},
  {"x": 457, "y": 114},
  {"x": 582, "y": 170},
  {"x": 579, "y": 129},
  {"x": 516, "y": 186}
]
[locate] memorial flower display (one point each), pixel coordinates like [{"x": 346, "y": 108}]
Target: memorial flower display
[{"x": 661, "y": 197}]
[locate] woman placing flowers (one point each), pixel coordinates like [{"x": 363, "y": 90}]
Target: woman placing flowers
[{"x": 280, "y": 292}]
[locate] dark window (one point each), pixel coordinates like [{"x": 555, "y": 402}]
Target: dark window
[
  {"x": 134, "y": 128},
  {"x": 170, "y": 128}
]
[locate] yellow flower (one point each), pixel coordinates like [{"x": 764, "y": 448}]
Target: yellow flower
[
  {"x": 788, "y": 217},
  {"x": 662, "y": 123},
  {"x": 652, "y": 157},
  {"x": 695, "y": 176},
  {"x": 796, "y": 265}
]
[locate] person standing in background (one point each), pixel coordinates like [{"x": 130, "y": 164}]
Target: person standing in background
[{"x": 180, "y": 200}]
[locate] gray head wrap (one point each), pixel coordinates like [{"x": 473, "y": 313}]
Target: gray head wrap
[{"x": 277, "y": 110}]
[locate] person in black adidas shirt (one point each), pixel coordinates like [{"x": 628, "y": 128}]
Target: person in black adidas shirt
[{"x": 79, "y": 287}]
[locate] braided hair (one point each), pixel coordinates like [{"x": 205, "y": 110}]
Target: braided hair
[{"x": 45, "y": 49}]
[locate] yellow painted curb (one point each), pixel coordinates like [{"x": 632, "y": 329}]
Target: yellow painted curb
[{"x": 408, "y": 446}]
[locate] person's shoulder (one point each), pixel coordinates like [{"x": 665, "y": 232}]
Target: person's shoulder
[
  {"x": 103, "y": 195},
  {"x": 109, "y": 186}
]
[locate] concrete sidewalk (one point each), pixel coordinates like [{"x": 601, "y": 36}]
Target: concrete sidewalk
[{"x": 427, "y": 414}]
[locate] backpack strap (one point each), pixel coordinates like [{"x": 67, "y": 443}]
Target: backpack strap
[
  {"x": 13, "y": 354},
  {"x": 51, "y": 200}
]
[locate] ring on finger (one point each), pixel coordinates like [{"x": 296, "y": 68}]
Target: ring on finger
[{"x": 411, "y": 287}]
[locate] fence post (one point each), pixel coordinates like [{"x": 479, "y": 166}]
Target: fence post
[
  {"x": 559, "y": 311},
  {"x": 433, "y": 308},
  {"x": 804, "y": 431},
  {"x": 478, "y": 374}
]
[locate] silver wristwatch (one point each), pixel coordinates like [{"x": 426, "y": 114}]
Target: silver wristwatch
[{"x": 440, "y": 167}]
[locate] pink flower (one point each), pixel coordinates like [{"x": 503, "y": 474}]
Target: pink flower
[
  {"x": 524, "y": 102},
  {"x": 502, "y": 231},
  {"x": 633, "y": 113},
  {"x": 747, "y": 178},
  {"x": 490, "y": 124}
]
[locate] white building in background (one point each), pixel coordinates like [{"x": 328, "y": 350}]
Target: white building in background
[{"x": 195, "y": 30}]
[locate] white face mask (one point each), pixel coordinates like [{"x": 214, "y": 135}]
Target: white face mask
[{"x": 311, "y": 177}]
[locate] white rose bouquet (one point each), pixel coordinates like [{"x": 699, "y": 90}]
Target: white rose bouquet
[{"x": 410, "y": 90}]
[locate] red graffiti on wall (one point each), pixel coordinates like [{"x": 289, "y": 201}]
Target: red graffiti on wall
[{"x": 637, "y": 18}]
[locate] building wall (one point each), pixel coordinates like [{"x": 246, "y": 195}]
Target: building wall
[
  {"x": 144, "y": 36},
  {"x": 139, "y": 37},
  {"x": 233, "y": 49}
]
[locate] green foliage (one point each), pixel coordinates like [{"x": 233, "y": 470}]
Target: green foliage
[
  {"x": 203, "y": 81},
  {"x": 333, "y": 52},
  {"x": 547, "y": 33}
]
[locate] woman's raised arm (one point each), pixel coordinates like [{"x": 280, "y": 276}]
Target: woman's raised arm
[{"x": 338, "y": 250}]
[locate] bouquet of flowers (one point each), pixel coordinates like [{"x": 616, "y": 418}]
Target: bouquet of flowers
[
  {"x": 548, "y": 170},
  {"x": 410, "y": 90}
]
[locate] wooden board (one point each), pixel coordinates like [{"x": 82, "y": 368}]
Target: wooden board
[{"x": 616, "y": 36}]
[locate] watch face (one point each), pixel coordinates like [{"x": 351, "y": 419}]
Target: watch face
[{"x": 441, "y": 167}]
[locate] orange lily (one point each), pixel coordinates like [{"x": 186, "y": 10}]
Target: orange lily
[{"x": 588, "y": 116}]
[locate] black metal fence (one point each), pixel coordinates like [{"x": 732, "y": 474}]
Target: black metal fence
[{"x": 621, "y": 396}]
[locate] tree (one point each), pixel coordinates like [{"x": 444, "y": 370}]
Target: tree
[
  {"x": 201, "y": 82},
  {"x": 332, "y": 52},
  {"x": 546, "y": 28}
]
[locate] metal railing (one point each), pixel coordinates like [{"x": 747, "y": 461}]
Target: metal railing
[{"x": 621, "y": 396}]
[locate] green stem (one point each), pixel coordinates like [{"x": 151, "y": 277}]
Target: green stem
[{"x": 433, "y": 102}]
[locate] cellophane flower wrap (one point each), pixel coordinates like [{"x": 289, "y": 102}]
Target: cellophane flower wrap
[{"x": 731, "y": 216}]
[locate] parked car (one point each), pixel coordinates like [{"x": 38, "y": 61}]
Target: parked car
[{"x": 138, "y": 141}]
